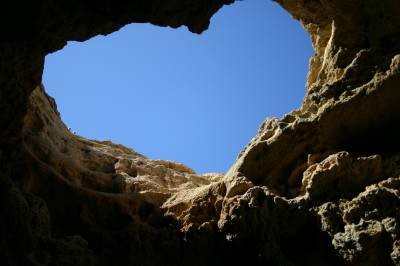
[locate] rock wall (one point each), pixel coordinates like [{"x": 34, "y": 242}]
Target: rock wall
[{"x": 321, "y": 186}]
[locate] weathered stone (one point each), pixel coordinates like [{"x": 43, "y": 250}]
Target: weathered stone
[{"x": 321, "y": 186}]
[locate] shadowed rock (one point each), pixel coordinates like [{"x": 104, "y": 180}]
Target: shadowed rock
[{"x": 321, "y": 186}]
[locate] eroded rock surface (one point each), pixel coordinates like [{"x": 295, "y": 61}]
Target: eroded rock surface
[{"x": 321, "y": 186}]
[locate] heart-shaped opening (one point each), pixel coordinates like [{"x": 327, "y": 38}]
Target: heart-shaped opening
[{"x": 170, "y": 94}]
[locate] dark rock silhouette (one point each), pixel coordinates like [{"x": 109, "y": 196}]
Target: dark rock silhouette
[{"x": 319, "y": 187}]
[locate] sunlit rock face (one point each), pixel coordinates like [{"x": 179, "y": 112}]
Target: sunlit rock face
[{"x": 321, "y": 186}]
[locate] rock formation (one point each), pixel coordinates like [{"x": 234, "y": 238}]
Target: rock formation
[{"x": 321, "y": 186}]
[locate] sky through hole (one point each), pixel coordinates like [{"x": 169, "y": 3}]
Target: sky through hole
[{"x": 170, "y": 94}]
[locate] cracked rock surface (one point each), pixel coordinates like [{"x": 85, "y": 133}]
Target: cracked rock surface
[{"x": 320, "y": 186}]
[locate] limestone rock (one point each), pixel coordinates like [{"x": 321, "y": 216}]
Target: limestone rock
[{"x": 321, "y": 186}]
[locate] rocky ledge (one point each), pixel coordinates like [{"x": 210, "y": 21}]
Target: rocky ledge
[{"x": 321, "y": 186}]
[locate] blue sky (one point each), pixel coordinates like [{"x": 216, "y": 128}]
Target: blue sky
[{"x": 170, "y": 94}]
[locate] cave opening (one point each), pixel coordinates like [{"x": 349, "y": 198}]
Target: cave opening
[{"x": 171, "y": 94}]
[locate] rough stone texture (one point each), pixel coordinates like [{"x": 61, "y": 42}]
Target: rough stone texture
[{"x": 321, "y": 186}]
